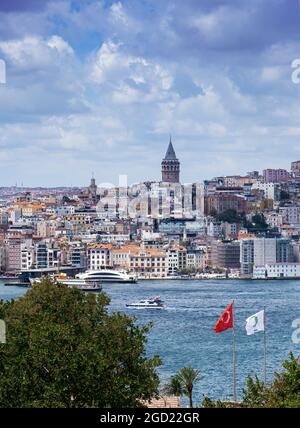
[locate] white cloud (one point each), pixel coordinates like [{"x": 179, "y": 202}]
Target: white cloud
[
  {"x": 118, "y": 14},
  {"x": 130, "y": 78},
  {"x": 34, "y": 52},
  {"x": 56, "y": 42}
]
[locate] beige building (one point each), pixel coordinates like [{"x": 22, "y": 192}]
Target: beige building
[{"x": 149, "y": 263}]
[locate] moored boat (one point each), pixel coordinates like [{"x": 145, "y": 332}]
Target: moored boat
[
  {"x": 107, "y": 275},
  {"x": 80, "y": 284}
]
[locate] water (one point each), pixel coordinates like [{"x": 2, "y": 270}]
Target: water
[{"x": 183, "y": 335}]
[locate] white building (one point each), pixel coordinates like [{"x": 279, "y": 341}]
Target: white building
[
  {"x": 196, "y": 260},
  {"x": 290, "y": 214},
  {"x": 259, "y": 252},
  {"x": 274, "y": 219},
  {"x": 172, "y": 262},
  {"x": 277, "y": 271},
  {"x": 27, "y": 257},
  {"x": 271, "y": 190},
  {"x": 214, "y": 230},
  {"x": 99, "y": 256}
]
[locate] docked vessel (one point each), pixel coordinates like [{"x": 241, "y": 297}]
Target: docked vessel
[
  {"x": 152, "y": 303},
  {"x": 80, "y": 284},
  {"x": 107, "y": 275}
]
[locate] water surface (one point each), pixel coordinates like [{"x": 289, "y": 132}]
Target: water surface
[{"x": 183, "y": 334}]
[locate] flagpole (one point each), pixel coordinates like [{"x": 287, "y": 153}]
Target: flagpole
[
  {"x": 265, "y": 349},
  {"x": 233, "y": 358}
]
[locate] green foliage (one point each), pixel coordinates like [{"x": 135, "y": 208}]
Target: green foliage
[
  {"x": 207, "y": 403},
  {"x": 230, "y": 215},
  {"x": 284, "y": 196},
  {"x": 183, "y": 383},
  {"x": 64, "y": 350},
  {"x": 173, "y": 387},
  {"x": 256, "y": 394},
  {"x": 257, "y": 222},
  {"x": 213, "y": 212},
  {"x": 284, "y": 391}
]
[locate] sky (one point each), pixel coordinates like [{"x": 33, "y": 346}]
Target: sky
[{"x": 95, "y": 87}]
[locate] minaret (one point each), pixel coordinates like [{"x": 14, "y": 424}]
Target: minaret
[{"x": 170, "y": 166}]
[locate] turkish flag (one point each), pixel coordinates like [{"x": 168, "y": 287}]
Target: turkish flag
[{"x": 225, "y": 321}]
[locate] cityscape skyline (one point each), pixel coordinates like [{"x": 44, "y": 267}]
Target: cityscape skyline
[
  {"x": 105, "y": 90},
  {"x": 149, "y": 200}
]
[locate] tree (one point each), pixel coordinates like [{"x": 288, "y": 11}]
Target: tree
[
  {"x": 173, "y": 387},
  {"x": 213, "y": 212},
  {"x": 284, "y": 195},
  {"x": 64, "y": 350},
  {"x": 183, "y": 383},
  {"x": 284, "y": 391},
  {"x": 230, "y": 216},
  {"x": 258, "y": 221},
  {"x": 255, "y": 395}
]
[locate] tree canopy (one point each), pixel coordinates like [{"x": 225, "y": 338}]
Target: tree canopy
[
  {"x": 65, "y": 350},
  {"x": 258, "y": 221},
  {"x": 283, "y": 392}
]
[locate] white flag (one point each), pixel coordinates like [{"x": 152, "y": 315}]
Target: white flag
[{"x": 255, "y": 323}]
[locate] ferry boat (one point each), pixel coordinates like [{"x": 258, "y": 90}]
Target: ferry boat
[
  {"x": 107, "y": 275},
  {"x": 152, "y": 303},
  {"x": 80, "y": 284}
]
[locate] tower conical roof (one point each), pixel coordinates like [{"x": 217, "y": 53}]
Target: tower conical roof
[{"x": 170, "y": 155}]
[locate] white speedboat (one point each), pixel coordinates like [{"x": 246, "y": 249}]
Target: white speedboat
[
  {"x": 152, "y": 303},
  {"x": 80, "y": 284},
  {"x": 107, "y": 275}
]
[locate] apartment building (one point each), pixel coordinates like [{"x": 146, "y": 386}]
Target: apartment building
[
  {"x": 149, "y": 263},
  {"x": 275, "y": 175},
  {"x": 263, "y": 251},
  {"x": 226, "y": 254},
  {"x": 290, "y": 214},
  {"x": 99, "y": 256}
]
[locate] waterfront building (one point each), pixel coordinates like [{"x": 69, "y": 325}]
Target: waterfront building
[
  {"x": 27, "y": 257},
  {"x": 226, "y": 254},
  {"x": 263, "y": 251},
  {"x": 149, "y": 263},
  {"x": 79, "y": 257},
  {"x": 176, "y": 259},
  {"x": 47, "y": 255},
  {"x": 99, "y": 256},
  {"x": 277, "y": 271},
  {"x": 196, "y": 260},
  {"x": 14, "y": 254}
]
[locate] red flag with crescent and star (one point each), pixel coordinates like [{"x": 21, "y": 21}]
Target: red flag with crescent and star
[{"x": 225, "y": 321}]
